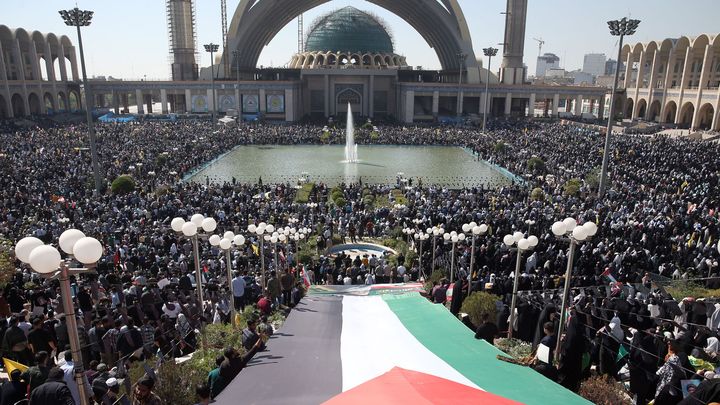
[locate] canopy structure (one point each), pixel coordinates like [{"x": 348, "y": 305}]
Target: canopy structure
[{"x": 334, "y": 347}]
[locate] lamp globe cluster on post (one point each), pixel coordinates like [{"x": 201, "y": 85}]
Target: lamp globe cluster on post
[
  {"x": 453, "y": 237},
  {"x": 435, "y": 231},
  {"x": 523, "y": 244},
  {"x": 475, "y": 230},
  {"x": 225, "y": 243},
  {"x": 47, "y": 261},
  {"x": 420, "y": 238},
  {"x": 569, "y": 230},
  {"x": 264, "y": 233}
]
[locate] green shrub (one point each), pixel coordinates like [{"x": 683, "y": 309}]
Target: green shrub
[
  {"x": 340, "y": 202},
  {"x": 592, "y": 178},
  {"x": 161, "y": 159},
  {"x": 536, "y": 165},
  {"x": 499, "y": 147},
  {"x": 515, "y": 348},
  {"x": 303, "y": 194},
  {"x": 123, "y": 184},
  {"x": 374, "y": 136},
  {"x": 325, "y": 137},
  {"x": 680, "y": 289},
  {"x": 436, "y": 276},
  {"x": 7, "y": 265},
  {"x": 602, "y": 390},
  {"x": 537, "y": 194},
  {"x": 479, "y": 303},
  {"x": 572, "y": 187}
]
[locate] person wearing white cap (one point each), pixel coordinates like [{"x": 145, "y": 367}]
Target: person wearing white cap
[{"x": 113, "y": 394}]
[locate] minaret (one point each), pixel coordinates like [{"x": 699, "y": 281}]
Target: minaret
[
  {"x": 512, "y": 70},
  {"x": 181, "y": 36}
]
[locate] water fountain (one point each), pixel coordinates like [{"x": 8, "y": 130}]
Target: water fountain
[{"x": 351, "y": 155}]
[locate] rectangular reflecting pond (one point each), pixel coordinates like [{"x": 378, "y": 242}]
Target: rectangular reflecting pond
[{"x": 379, "y": 164}]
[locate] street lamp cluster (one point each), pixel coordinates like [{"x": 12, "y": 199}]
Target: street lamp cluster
[
  {"x": 81, "y": 18},
  {"x": 453, "y": 237},
  {"x": 47, "y": 261},
  {"x": 225, "y": 243},
  {"x": 617, "y": 28},
  {"x": 523, "y": 244},
  {"x": 569, "y": 230},
  {"x": 212, "y": 48}
]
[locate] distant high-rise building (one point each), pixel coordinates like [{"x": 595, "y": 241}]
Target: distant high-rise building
[
  {"x": 546, "y": 62},
  {"x": 594, "y": 64},
  {"x": 610, "y": 66}
]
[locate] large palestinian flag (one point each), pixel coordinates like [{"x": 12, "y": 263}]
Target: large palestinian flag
[{"x": 378, "y": 349}]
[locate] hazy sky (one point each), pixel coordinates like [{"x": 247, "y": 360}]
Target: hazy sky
[{"x": 128, "y": 38}]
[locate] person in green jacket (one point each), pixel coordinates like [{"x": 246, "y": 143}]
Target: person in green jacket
[{"x": 216, "y": 382}]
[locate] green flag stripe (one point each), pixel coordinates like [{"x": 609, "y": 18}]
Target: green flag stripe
[{"x": 434, "y": 327}]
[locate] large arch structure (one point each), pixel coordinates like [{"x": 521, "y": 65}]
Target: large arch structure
[{"x": 440, "y": 22}]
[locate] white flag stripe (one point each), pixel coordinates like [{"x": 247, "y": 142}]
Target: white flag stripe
[{"x": 373, "y": 341}]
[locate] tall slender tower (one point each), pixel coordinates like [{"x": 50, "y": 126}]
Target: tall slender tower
[
  {"x": 181, "y": 36},
  {"x": 512, "y": 70}
]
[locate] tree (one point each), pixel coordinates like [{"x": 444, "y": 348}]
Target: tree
[
  {"x": 478, "y": 304},
  {"x": 536, "y": 165},
  {"x": 537, "y": 194},
  {"x": 123, "y": 184},
  {"x": 499, "y": 147},
  {"x": 572, "y": 187},
  {"x": 592, "y": 178}
]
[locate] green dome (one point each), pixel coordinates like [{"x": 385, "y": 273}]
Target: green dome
[{"x": 349, "y": 30}]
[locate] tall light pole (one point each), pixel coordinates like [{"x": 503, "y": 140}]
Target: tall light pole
[
  {"x": 212, "y": 48},
  {"x": 46, "y": 260},
  {"x": 262, "y": 230},
  {"x": 421, "y": 237},
  {"x": 190, "y": 230},
  {"x": 617, "y": 28},
  {"x": 225, "y": 243},
  {"x": 523, "y": 244},
  {"x": 568, "y": 229},
  {"x": 435, "y": 231},
  {"x": 453, "y": 237},
  {"x": 489, "y": 52},
  {"x": 475, "y": 230},
  {"x": 81, "y": 18},
  {"x": 461, "y": 60}
]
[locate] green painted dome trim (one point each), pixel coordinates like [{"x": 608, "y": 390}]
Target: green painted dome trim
[{"x": 349, "y": 30}]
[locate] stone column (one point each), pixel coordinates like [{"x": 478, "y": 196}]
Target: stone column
[
  {"x": 74, "y": 65},
  {"x": 704, "y": 73},
  {"x": 35, "y": 63},
  {"x": 49, "y": 64},
  {"x": 188, "y": 101},
  {"x": 601, "y": 108},
  {"x": 531, "y": 106},
  {"x": 651, "y": 84},
  {"x": 409, "y": 106},
  {"x": 628, "y": 69},
  {"x": 508, "y": 104},
  {"x": 289, "y": 105},
  {"x": 237, "y": 101},
  {"x": 163, "y": 101},
  {"x": 578, "y": 105},
  {"x": 139, "y": 101},
  {"x": 115, "y": 102},
  {"x": 263, "y": 101},
  {"x": 556, "y": 102},
  {"x": 63, "y": 69},
  {"x": 371, "y": 97},
  {"x": 511, "y": 68},
  {"x": 211, "y": 102},
  {"x": 435, "y": 103},
  {"x": 326, "y": 92},
  {"x": 683, "y": 83}
]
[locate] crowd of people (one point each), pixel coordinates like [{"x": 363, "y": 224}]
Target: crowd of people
[{"x": 658, "y": 220}]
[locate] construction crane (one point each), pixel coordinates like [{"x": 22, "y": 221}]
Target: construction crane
[
  {"x": 301, "y": 38},
  {"x": 223, "y": 16},
  {"x": 540, "y": 44}
]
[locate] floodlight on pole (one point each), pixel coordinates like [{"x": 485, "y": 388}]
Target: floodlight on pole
[
  {"x": 81, "y": 18},
  {"x": 489, "y": 52},
  {"x": 212, "y": 48},
  {"x": 617, "y": 28}
]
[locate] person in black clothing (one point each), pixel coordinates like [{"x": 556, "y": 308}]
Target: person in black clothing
[
  {"x": 53, "y": 391},
  {"x": 235, "y": 362},
  {"x": 571, "y": 353},
  {"x": 13, "y": 390},
  {"x": 487, "y": 330},
  {"x": 39, "y": 339}
]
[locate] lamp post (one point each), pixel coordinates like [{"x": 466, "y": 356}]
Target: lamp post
[
  {"x": 225, "y": 243},
  {"x": 190, "y": 230},
  {"x": 476, "y": 230},
  {"x": 453, "y": 237},
  {"x": 212, "y": 48},
  {"x": 568, "y": 229},
  {"x": 461, "y": 59},
  {"x": 81, "y": 18},
  {"x": 421, "y": 237},
  {"x": 46, "y": 261},
  {"x": 523, "y": 244},
  {"x": 261, "y": 230},
  {"x": 489, "y": 52},
  {"x": 435, "y": 231},
  {"x": 617, "y": 28}
]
